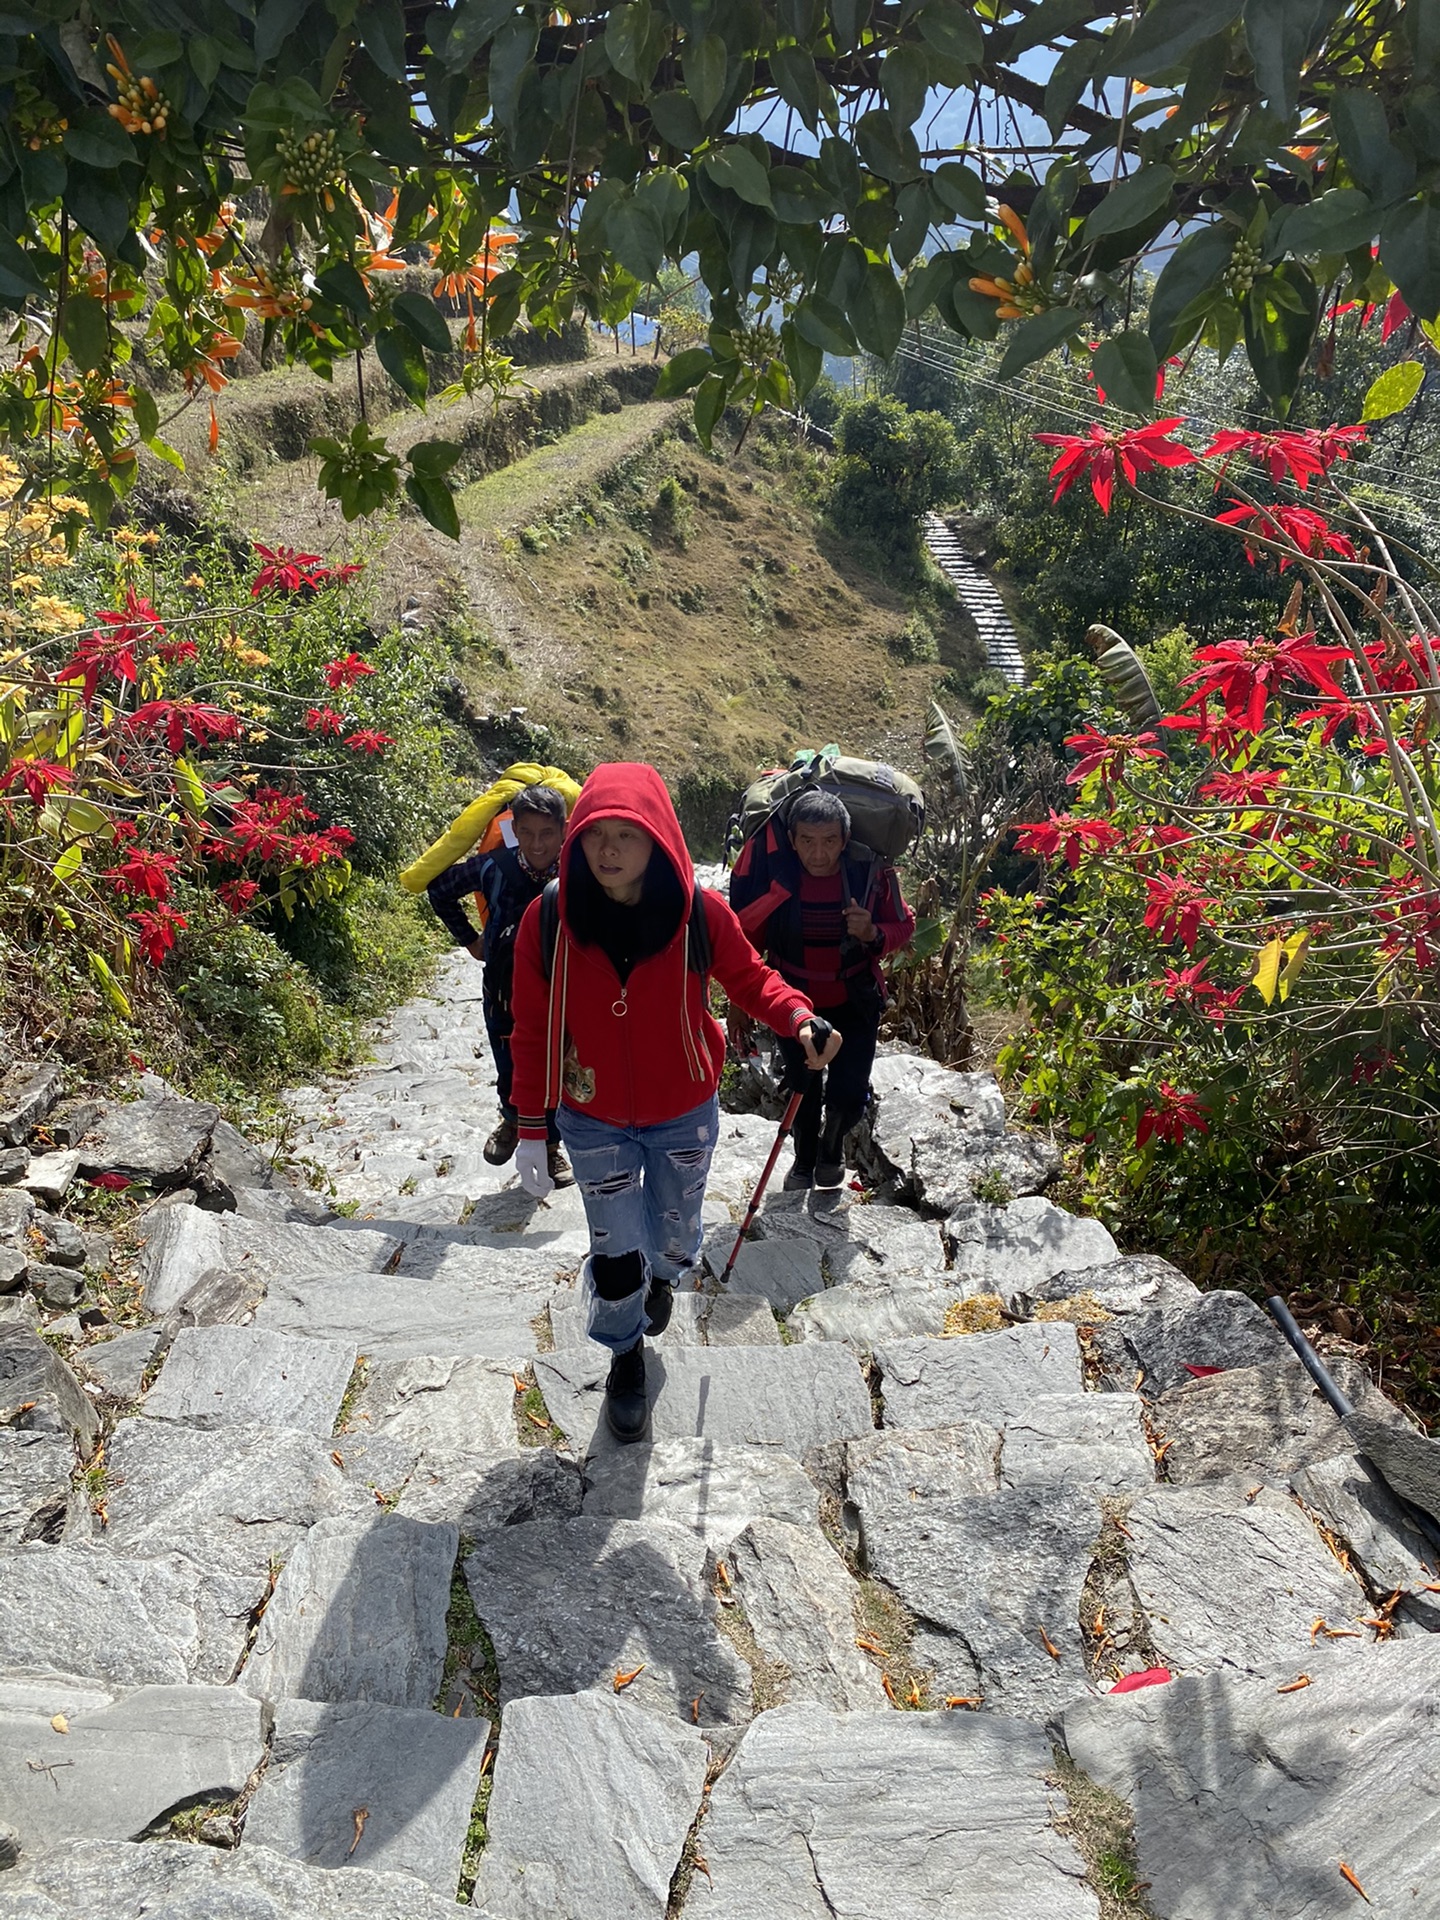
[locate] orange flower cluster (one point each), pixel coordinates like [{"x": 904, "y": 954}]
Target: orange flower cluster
[
  {"x": 141, "y": 107},
  {"x": 1019, "y": 295}
]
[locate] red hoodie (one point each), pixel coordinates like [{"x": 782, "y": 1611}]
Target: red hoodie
[{"x": 663, "y": 1053}]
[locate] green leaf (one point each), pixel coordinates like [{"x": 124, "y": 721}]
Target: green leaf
[
  {"x": 275, "y": 24},
  {"x": 511, "y": 53},
  {"x": 1165, "y": 34},
  {"x": 1393, "y": 391},
  {"x": 876, "y": 310},
  {"x": 96, "y": 203},
  {"x": 191, "y": 788},
  {"x": 434, "y": 457},
  {"x": 635, "y": 236},
  {"x": 1033, "y": 339},
  {"x": 87, "y": 331},
  {"x": 709, "y": 405},
  {"x": 1197, "y": 266},
  {"x": 590, "y": 234},
  {"x": 206, "y": 58},
  {"x": 891, "y": 153},
  {"x": 1069, "y": 77},
  {"x": 1360, "y": 125},
  {"x": 1336, "y": 222},
  {"x": 1125, "y": 366},
  {"x": 404, "y": 360},
  {"x": 69, "y": 863},
  {"x": 98, "y": 141},
  {"x": 805, "y": 360},
  {"x": 1052, "y": 20},
  {"x": 109, "y": 985},
  {"x": 381, "y": 26},
  {"x": 823, "y": 325},
  {"x": 943, "y": 746},
  {"x": 1132, "y": 201},
  {"x": 1121, "y": 669},
  {"x": 959, "y": 189},
  {"x": 146, "y": 412},
  {"x": 627, "y": 36},
  {"x": 420, "y": 316},
  {"x": 683, "y": 371},
  {"x": 162, "y": 48},
  {"x": 848, "y": 17},
  {"x": 1410, "y": 254},
  {"x": 735, "y": 166},
  {"x": 707, "y": 66},
  {"x": 677, "y": 118},
  {"x": 794, "y": 74},
  {"x": 1279, "y": 33},
  {"x": 1281, "y": 316},
  {"x": 473, "y": 25},
  {"x": 904, "y": 77},
  {"x": 341, "y": 283},
  {"x": 435, "y": 500},
  {"x": 798, "y": 196},
  {"x": 954, "y": 32}
]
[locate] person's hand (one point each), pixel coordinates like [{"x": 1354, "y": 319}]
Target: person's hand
[
  {"x": 532, "y": 1163},
  {"x": 739, "y": 1031},
  {"x": 860, "y": 924},
  {"x": 476, "y": 948},
  {"x": 821, "y": 1031}
]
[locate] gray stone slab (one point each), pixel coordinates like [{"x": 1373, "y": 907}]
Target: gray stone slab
[
  {"x": 64, "y": 1242},
  {"x": 1232, "y": 1582},
  {"x": 58, "y": 1289},
  {"x": 1131, "y": 1283},
  {"x": 221, "y": 1297},
  {"x": 237, "y": 1499},
  {"x": 992, "y": 1377},
  {"x": 173, "y": 1880},
  {"x": 283, "y": 1204},
  {"x": 249, "y": 1376},
  {"x": 1246, "y": 1801},
  {"x": 1216, "y": 1330},
  {"x": 20, "y": 1309},
  {"x": 780, "y": 1272},
  {"x": 1346, "y": 1494},
  {"x": 14, "y": 1165},
  {"x": 50, "y": 1176},
  {"x": 571, "y": 1604},
  {"x": 17, "y": 1216},
  {"x": 716, "y": 1490},
  {"x": 35, "y": 1491},
  {"x": 696, "y": 1320},
  {"x": 857, "y": 1242},
  {"x": 790, "y": 1397},
  {"x": 987, "y": 1579},
  {"x": 358, "y": 1614},
  {"x": 185, "y": 1242},
  {"x": 889, "y": 1472},
  {"x": 1409, "y": 1461},
  {"x": 799, "y": 1600},
  {"x": 1092, "y": 1440},
  {"x": 28, "y": 1091},
  {"x": 401, "y": 1316},
  {"x": 159, "y": 1143},
  {"x": 123, "y": 1766},
  {"x": 118, "y": 1364},
  {"x": 125, "y": 1622},
  {"x": 447, "y": 1255},
  {"x": 890, "y": 1816},
  {"x": 38, "y": 1392},
  {"x": 237, "y": 1160},
  {"x": 479, "y": 1494},
  {"x": 14, "y": 1269},
  {"x": 870, "y": 1314},
  {"x": 1014, "y": 1249},
  {"x": 1247, "y": 1420},
  {"x": 440, "y": 1401},
  {"x": 934, "y": 1134},
  {"x": 414, "y": 1772},
  {"x": 601, "y": 1835}
]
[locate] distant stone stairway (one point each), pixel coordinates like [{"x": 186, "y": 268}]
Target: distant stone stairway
[
  {"x": 924, "y": 1482},
  {"x": 976, "y": 593}
]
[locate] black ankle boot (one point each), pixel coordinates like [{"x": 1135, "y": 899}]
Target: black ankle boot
[
  {"x": 627, "y": 1411},
  {"x": 658, "y": 1302},
  {"x": 830, "y": 1159}
]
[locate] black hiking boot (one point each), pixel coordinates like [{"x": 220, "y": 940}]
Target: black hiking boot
[
  {"x": 658, "y": 1302},
  {"x": 499, "y": 1149},
  {"x": 627, "y": 1411},
  {"x": 799, "y": 1179},
  {"x": 830, "y": 1160},
  {"x": 559, "y": 1167}
]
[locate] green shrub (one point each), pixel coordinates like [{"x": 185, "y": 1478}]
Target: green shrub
[
  {"x": 915, "y": 645},
  {"x": 673, "y": 515}
]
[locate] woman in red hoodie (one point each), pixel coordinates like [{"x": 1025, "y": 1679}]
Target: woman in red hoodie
[{"x": 613, "y": 1032}]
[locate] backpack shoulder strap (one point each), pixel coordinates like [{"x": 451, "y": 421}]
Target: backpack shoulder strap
[
  {"x": 549, "y": 926},
  {"x": 698, "y": 949}
]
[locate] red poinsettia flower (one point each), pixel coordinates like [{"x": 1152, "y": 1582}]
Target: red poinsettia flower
[
  {"x": 1211, "y": 730},
  {"x": 1245, "y": 673},
  {"x": 1299, "y": 456},
  {"x": 143, "y": 872},
  {"x": 369, "y": 740},
  {"x": 1177, "y": 909},
  {"x": 1252, "y": 788},
  {"x": 112, "y": 652},
  {"x": 38, "y": 777},
  {"x": 1411, "y": 917},
  {"x": 1096, "y": 455},
  {"x": 344, "y": 673},
  {"x": 1368, "y": 1067},
  {"x": 1062, "y": 833},
  {"x": 286, "y": 569},
  {"x": 172, "y": 651},
  {"x": 323, "y": 720},
  {"x": 176, "y": 718},
  {"x": 1188, "y": 984},
  {"x": 1108, "y": 752},
  {"x": 111, "y": 1182},
  {"x": 1302, "y": 526},
  {"x": 1170, "y": 1116},
  {"x": 1396, "y": 314},
  {"x": 156, "y": 931},
  {"x": 238, "y": 895}
]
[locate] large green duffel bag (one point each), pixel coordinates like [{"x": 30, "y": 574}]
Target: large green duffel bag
[{"x": 886, "y": 807}]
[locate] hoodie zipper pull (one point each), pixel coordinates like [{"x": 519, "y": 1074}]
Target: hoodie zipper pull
[{"x": 621, "y": 1007}]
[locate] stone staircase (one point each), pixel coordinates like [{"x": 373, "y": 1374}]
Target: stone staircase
[
  {"x": 357, "y": 1605},
  {"x": 976, "y": 593}
]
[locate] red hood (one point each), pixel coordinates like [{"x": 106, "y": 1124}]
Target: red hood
[{"x": 628, "y": 790}]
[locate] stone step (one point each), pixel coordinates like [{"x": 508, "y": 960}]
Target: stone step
[
  {"x": 794, "y": 1398},
  {"x": 995, "y": 1377},
  {"x": 821, "y": 1813},
  {"x": 576, "y": 1604},
  {"x": 118, "y": 1765},
  {"x": 250, "y": 1376},
  {"x": 715, "y": 1490},
  {"x": 404, "y": 1316},
  {"x": 737, "y": 1318},
  {"x": 183, "y": 1242},
  {"x": 414, "y": 1772},
  {"x": 935, "y": 1133},
  {"x": 601, "y": 1835}
]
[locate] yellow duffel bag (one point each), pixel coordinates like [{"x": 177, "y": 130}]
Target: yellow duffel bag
[{"x": 466, "y": 832}]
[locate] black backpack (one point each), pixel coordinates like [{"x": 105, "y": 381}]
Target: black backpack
[{"x": 698, "y": 954}]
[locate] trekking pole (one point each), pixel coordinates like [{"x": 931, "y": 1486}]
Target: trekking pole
[{"x": 820, "y": 1034}]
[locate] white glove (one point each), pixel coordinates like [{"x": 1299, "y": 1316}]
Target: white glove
[{"x": 532, "y": 1163}]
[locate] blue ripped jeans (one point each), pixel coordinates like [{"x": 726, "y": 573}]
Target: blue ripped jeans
[{"x": 643, "y": 1188}]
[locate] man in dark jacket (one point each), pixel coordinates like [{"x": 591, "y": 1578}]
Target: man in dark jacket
[
  {"x": 506, "y": 879},
  {"x": 828, "y": 917}
]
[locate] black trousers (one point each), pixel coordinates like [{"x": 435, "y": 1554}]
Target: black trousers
[
  {"x": 499, "y": 1025},
  {"x": 840, "y": 1092}
]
